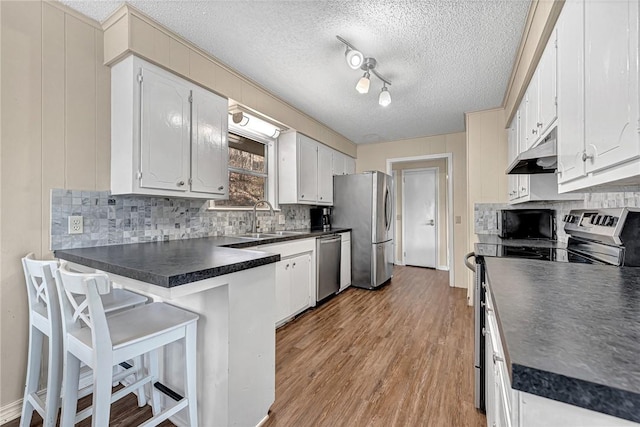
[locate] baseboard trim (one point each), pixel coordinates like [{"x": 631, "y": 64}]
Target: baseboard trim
[
  {"x": 11, "y": 411},
  {"x": 262, "y": 421},
  {"x": 443, "y": 267}
]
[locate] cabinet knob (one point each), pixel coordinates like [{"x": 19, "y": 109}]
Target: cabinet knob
[
  {"x": 534, "y": 131},
  {"x": 294, "y": 264},
  {"x": 302, "y": 196},
  {"x": 286, "y": 266},
  {"x": 524, "y": 188},
  {"x": 320, "y": 197},
  {"x": 497, "y": 358},
  {"x": 485, "y": 332},
  {"x": 539, "y": 124},
  {"x": 221, "y": 188},
  {"x": 586, "y": 157},
  {"x": 180, "y": 183}
]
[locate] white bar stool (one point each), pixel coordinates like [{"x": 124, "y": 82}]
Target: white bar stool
[
  {"x": 45, "y": 321},
  {"x": 102, "y": 342}
]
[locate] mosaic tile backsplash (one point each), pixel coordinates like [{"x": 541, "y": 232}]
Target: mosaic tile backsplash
[
  {"x": 113, "y": 220},
  {"x": 486, "y": 217}
]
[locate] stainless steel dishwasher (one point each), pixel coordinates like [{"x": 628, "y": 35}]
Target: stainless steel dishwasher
[{"x": 327, "y": 266}]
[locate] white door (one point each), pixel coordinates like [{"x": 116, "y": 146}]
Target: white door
[
  {"x": 283, "y": 290},
  {"x": 210, "y": 148},
  {"x": 420, "y": 215},
  {"x": 164, "y": 131},
  {"x": 547, "y": 111}
]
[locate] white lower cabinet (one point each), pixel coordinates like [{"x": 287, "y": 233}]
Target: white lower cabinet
[
  {"x": 345, "y": 261},
  {"x": 295, "y": 277}
]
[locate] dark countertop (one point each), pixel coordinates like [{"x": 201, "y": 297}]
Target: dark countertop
[
  {"x": 179, "y": 262},
  {"x": 571, "y": 332}
]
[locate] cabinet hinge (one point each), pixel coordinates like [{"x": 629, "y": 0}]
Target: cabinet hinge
[
  {"x": 191, "y": 98},
  {"x": 139, "y": 175},
  {"x": 404, "y": 253},
  {"x": 555, "y": 101},
  {"x": 190, "y": 181},
  {"x": 140, "y": 78}
]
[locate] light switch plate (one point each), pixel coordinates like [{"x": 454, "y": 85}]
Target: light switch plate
[
  {"x": 76, "y": 225},
  {"x": 281, "y": 219}
]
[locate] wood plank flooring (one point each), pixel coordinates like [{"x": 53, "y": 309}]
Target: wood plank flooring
[{"x": 398, "y": 356}]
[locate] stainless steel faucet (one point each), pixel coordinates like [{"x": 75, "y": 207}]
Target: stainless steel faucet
[{"x": 255, "y": 213}]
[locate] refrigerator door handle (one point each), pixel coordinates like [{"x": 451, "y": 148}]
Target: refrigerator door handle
[{"x": 387, "y": 208}]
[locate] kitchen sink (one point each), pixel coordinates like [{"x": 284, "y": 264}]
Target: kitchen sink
[
  {"x": 287, "y": 233},
  {"x": 254, "y": 236}
]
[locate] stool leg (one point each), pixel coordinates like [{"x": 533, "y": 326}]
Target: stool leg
[
  {"x": 33, "y": 374},
  {"x": 190, "y": 362},
  {"x": 70, "y": 382},
  {"x": 102, "y": 378},
  {"x": 142, "y": 399},
  {"x": 54, "y": 383},
  {"x": 154, "y": 373}
]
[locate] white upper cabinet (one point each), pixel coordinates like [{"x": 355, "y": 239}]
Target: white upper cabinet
[
  {"x": 343, "y": 164},
  {"x": 168, "y": 136},
  {"x": 164, "y": 131},
  {"x": 571, "y": 91},
  {"x": 210, "y": 146},
  {"x": 305, "y": 170},
  {"x": 512, "y": 137},
  {"x": 611, "y": 83},
  {"x": 540, "y": 111},
  {"x": 325, "y": 175},
  {"x": 547, "y": 87},
  {"x": 599, "y": 99}
]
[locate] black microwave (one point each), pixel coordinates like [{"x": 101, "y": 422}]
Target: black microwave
[{"x": 527, "y": 224}]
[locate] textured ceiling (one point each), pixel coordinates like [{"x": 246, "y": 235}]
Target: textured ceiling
[{"x": 443, "y": 57}]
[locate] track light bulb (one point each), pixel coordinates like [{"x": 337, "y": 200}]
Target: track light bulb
[
  {"x": 363, "y": 83},
  {"x": 385, "y": 97},
  {"x": 354, "y": 58}
]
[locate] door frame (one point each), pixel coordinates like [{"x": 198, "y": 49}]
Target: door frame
[
  {"x": 437, "y": 226},
  {"x": 450, "y": 223}
]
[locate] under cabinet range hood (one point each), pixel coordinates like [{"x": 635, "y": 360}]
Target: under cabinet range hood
[{"x": 543, "y": 158}]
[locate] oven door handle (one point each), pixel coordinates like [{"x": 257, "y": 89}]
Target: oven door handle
[{"x": 469, "y": 265}]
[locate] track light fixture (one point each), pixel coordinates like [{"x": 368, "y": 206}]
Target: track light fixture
[{"x": 356, "y": 60}]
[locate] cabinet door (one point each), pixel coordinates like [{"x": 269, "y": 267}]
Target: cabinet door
[
  {"x": 489, "y": 375},
  {"x": 512, "y": 154},
  {"x": 571, "y": 91},
  {"x": 349, "y": 165},
  {"x": 300, "y": 282},
  {"x": 547, "y": 112},
  {"x": 338, "y": 163},
  {"x": 345, "y": 264},
  {"x": 325, "y": 176},
  {"x": 532, "y": 130},
  {"x": 611, "y": 83},
  {"x": 164, "y": 131},
  {"x": 210, "y": 147},
  {"x": 307, "y": 169},
  {"x": 283, "y": 290}
]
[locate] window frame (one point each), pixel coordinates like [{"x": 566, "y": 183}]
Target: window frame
[{"x": 271, "y": 166}]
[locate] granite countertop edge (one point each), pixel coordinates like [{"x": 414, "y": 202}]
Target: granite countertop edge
[{"x": 183, "y": 278}]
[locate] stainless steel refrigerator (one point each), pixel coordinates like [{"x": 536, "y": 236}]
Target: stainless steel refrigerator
[{"x": 362, "y": 202}]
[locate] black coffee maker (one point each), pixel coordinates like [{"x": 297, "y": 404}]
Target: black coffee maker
[{"x": 321, "y": 218}]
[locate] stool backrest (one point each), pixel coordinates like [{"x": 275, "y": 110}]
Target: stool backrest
[
  {"x": 41, "y": 291},
  {"x": 81, "y": 305}
]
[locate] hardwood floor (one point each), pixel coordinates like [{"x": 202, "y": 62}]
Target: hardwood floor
[{"x": 398, "y": 356}]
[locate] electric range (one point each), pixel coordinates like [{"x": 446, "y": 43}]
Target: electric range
[{"x": 607, "y": 236}]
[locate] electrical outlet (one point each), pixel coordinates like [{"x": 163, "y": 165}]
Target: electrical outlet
[
  {"x": 281, "y": 219},
  {"x": 76, "y": 225}
]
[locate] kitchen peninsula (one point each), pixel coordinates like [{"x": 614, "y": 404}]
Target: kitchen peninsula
[{"x": 233, "y": 291}]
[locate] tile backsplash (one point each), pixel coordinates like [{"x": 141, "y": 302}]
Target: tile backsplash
[
  {"x": 112, "y": 220},
  {"x": 486, "y": 218}
]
